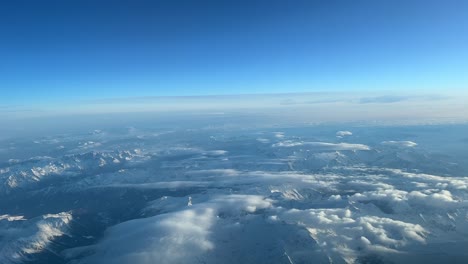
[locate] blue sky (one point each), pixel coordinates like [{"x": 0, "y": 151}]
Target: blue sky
[{"x": 56, "y": 51}]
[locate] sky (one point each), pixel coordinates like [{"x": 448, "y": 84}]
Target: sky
[{"x": 61, "y": 51}]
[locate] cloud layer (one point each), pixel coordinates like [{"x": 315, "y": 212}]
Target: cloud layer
[{"x": 215, "y": 195}]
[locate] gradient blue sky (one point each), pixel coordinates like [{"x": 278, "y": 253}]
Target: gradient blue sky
[{"x": 54, "y": 51}]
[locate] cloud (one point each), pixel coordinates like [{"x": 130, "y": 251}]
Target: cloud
[
  {"x": 385, "y": 99},
  {"x": 244, "y": 201},
  {"x": 215, "y": 153},
  {"x": 151, "y": 185},
  {"x": 341, "y": 134},
  {"x": 176, "y": 237},
  {"x": 266, "y": 111},
  {"x": 322, "y": 145},
  {"x": 409, "y": 144},
  {"x": 345, "y": 234},
  {"x": 263, "y": 140},
  {"x": 344, "y": 133},
  {"x": 12, "y": 217},
  {"x": 89, "y": 145},
  {"x": 279, "y": 134},
  {"x": 357, "y": 211},
  {"x": 172, "y": 238}
]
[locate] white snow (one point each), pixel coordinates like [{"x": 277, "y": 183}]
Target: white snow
[{"x": 18, "y": 240}]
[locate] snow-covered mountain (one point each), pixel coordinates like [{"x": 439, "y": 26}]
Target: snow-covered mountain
[
  {"x": 21, "y": 239},
  {"x": 243, "y": 196}
]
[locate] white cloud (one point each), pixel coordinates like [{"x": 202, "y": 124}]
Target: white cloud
[
  {"x": 343, "y": 133},
  {"x": 12, "y": 217},
  {"x": 215, "y": 152},
  {"x": 345, "y": 234},
  {"x": 358, "y": 211},
  {"x": 279, "y": 134},
  {"x": 176, "y": 237},
  {"x": 322, "y": 145},
  {"x": 409, "y": 144},
  {"x": 89, "y": 145},
  {"x": 263, "y": 140},
  {"x": 260, "y": 194}
]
